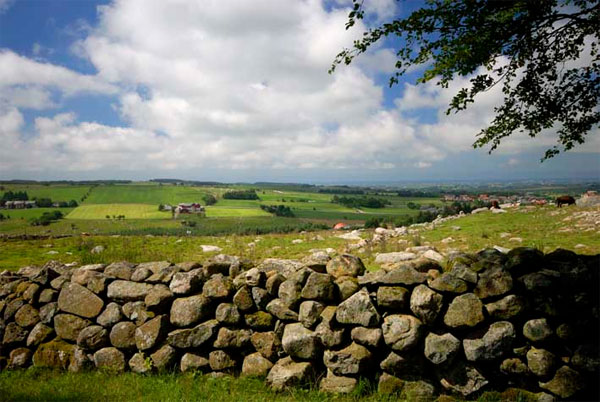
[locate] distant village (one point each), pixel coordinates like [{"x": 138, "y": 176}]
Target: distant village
[
  {"x": 501, "y": 199},
  {"x": 183, "y": 208}
]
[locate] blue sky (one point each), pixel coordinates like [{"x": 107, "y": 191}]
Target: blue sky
[{"x": 234, "y": 91}]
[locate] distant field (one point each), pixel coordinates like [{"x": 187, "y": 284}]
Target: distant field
[
  {"x": 219, "y": 212},
  {"x": 144, "y": 194},
  {"x": 131, "y": 211},
  {"x": 31, "y": 212},
  {"x": 54, "y": 192}
]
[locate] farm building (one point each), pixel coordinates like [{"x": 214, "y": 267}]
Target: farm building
[
  {"x": 190, "y": 208},
  {"x": 19, "y": 204}
]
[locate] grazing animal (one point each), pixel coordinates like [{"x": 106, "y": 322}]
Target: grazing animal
[
  {"x": 495, "y": 204},
  {"x": 564, "y": 199}
]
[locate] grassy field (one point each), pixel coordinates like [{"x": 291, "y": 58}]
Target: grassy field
[
  {"x": 56, "y": 192},
  {"x": 131, "y": 211},
  {"x": 44, "y": 385}
]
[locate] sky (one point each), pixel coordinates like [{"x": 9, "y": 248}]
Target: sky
[{"x": 236, "y": 90}]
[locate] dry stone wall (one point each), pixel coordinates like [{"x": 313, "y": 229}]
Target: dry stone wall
[{"x": 462, "y": 325}]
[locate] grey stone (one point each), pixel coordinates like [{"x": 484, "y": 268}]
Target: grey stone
[
  {"x": 54, "y": 354},
  {"x": 140, "y": 274},
  {"x": 80, "y": 361},
  {"x": 464, "y": 311},
  {"x": 537, "y": 330},
  {"x": 254, "y": 277},
  {"x": 337, "y": 384},
  {"x": 151, "y": 332},
  {"x": 261, "y": 297},
  {"x": 27, "y": 316},
  {"x": 243, "y": 299},
  {"x": 184, "y": 283},
  {"x": 328, "y": 331},
  {"x": 235, "y": 339},
  {"x": 140, "y": 363},
  {"x": 493, "y": 282},
  {"x": 227, "y": 314},
  {"x": 158, "y": 297},
  {"x": 463, "y": 379},
  {"x": 319, "y": 287},
  {"x": 426, "y": 304},
  {"x": 110, "y": 316},
  {"x": 267, "y": 344},
  {"x": 345, "y": 265},
  {"x": 392, "y": 297},
  {"x": 541, "y": 362},
  {"x": 403, "y": 275},
  {"x": 220, "y": 361},
  {"x": 370, "y": 337},
  {"x": 287, "y": 373},
  {"x": 47, "y": 296},
  {"x": 352, "y": 360},
  {"x": 273, "y": 283},
  {"x": 402, "y": 332},
  {"x": 290, "y": 293},
  {"x": 68, "y": 326},
  {"x": 565, "y": 383},
  {"x": 514, "y": 367},
  {"x": 300, "y": 342},
  {"x": 192, "y": 362},
  {"x": 218, "y": 287},
  {"x": 194, "y": 337},
  {"x": 137, "y": 312},
  {"x": 506, "y": 308},
  {"x": 47, "y": 312},
  {"x": 93, "y": 337},
  {"x": 447, "y": 282},
  {"x": 128, "y": 291},
  {"x": 441, "y": 349},
  {"x": 255, "y": 365},
  {"x": 496, "y": 342},
  {"x": 122, "y": 335},
  {"x": 111, "y": 359},
  {"x": 346, "y": 286},
  {"x": 389, "y": 384},
  {"x": 19, "y": 358},
  {"x": 39, "y": 334},
  {"x": 259, "y": 320},
  {"x": 164, "y": 358},
  {"x": 280, "y": 310},
  {"x": 186, "y": 311},
  {"x": 310, "y": 313},
  {"x": 358, "y": 310},
  {"x": 119, "y": 270}
]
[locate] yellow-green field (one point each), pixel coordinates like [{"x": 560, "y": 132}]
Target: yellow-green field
[
  {"x": 220, "y": 212},
  {"x": 130, "y": 211}
]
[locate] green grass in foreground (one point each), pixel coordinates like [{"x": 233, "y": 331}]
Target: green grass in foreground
[{"x": 45, "y": 385}]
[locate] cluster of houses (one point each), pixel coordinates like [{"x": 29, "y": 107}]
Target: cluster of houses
[
  {"x": 185, "y": 208},
  {"x": 501, "y": 199},
  {"x": 19, "y": 204}
]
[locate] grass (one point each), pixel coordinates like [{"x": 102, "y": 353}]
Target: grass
[
  {"x": 55, "y": 192},
  {"x": 224, "y": 211},
  {"x": 46, "y": 385},
  {"x": 145, "y": 193},
  {"x": 131, "y": 211}
]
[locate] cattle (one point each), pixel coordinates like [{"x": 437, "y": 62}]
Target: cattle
[
  {"x": 564, "y": 199},
  {"x": 495, "y": 204}
]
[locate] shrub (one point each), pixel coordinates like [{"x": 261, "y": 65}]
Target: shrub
[
  {"x": 209, "y": 199},
  {"x": 241, "y": 195},
  {"x": 278, "y": 210}
]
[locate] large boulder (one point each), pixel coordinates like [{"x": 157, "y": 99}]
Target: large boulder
[
  {"x": 319, "y": 287},
  {"x": 255, "y": 365},
  {"x": 441, "y": 349},
  {"x": 497, "y": 341},
  {"x": 184, "y": 283},
  {"x": 300, "y": 342},
  {"x": 188, "y": 311},
  {"x": 122, "y": 335},
  {"x": 352, "y": 360},
  {"x": 54, "y": 354},
  {"x": 193, "y": 337},
  {"x": 345, "y": 265},
  {"x": 426, "y": 304},
  {"x": 68, "y": 326},
  {"x": 76, "y": 299},
  {"x": 110, "y": 359},
  {"x": 128, "y": 291},
  {"x": 358, "y": 310},
  {"x": 151, "y": 332},
  {"x": 402, "y": 332},
  {"x": 465, "y": 311},
  {"x": 287, "y": 373}
]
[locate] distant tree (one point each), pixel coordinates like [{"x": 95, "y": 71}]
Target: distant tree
[
  {"x": 209, "y": 199},
  {"x": 241, "y": 195},
  {"x": 73, "y": 204},
  {"x": 535, "y": 49},
  {"x": 43, "y": 202}
]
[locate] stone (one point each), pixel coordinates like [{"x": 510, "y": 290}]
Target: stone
[
  {"x": 418, "y": 391},
  {"x": 47, "y": 312},
  {"x": 31, "y": 293},
  {"x": 280, "y": 310},
  {"x": 260, "y": 320},
  {"x": 389, "y": 384},
  {"x": 403, "y": 366},
  {"x": 328, "y": 331},
  {"x": 228, "y": 314},
  {"x": 465, "y": 311},
  {"x": 14, "y": 334},
  {"x": 111, "y": 359},
  {"x": 39, "y": 334},
  {"x": 586, "y": 358},
  {"x": 80, "y": 361},
  {"x": 286, "y": 373},
  {"x": 218, "y": 287},
  {"x": 93, "y": 337},
  {"x": 283, "y": 266},
  {"x": 184, "y": 283},
  {"x": 493, "y": 282},
  {"x": 151, "y": 332},
  {"x": 403, "y": 275},
  {"x": 565, "y": 383},
  {"x": 506, "y": 308},
  {"x": 426, "y": 304},
  {"x": 234, "y": 339},
  {"x": 194, "y": 337},
  {"x": 300, "y": 342},
  {"x": 76, "y": 299},
  {"x": 155, "y": 266},
  {"x": 358, "y": 310},
  {"x": 261, "y": 297},
  {"x": 122, "y": 335},
  {"x": 82, "y": 275},
  {"x": 159, "y": 297},
  {"x": 27, "y": 316},
  {"x": 290, "y": 292},
  {"x": 267, "y": 344},
  {"x": 441, "y": 349},
  {"x": 192, "y": 362},
  {"x": 346, "y": 286},
  {"x": 319, "y": 287},
  {"x": 98, "y": 283},
  {"x": 434, "y": 255},
  {"x": 164, "y": 275},
  {"x": 140, "y": 363},
  {"x": 255, "y": 277},
  {"x": 392, "y": 297},
  {"x": 402, "y": 332},
  {"x": 119, "y": 270},
  {"x": 496, "y": 342},
  {"x": 337, "y": 384},
  {"x": 59, "y": 282},
  {"x": 345, "y": 265},
  {"x": 463, "y": 272},
  {"x": 273, "y": 283},
  {"x": 19, "y": 358},
  {"x": 47, "y": 296},
  {"x": 110, "y": 316},
  {"x": 310, "y": 313},
  {"x": 524, "y": 259},
  {"x": 447, "y": 282},
  {"x": 255, "y": 365},
  {"x": 514, "y": 367},
  {"x": 186, "y": 311},
  {"x": 370, "y": 337},
  {"x": 354, "y": 359},
  {"x": 220, "y": 361},
  {"x": 317, "y": 261},
  {"x": 128, "y": 291},
  {"x": 164, "y": 358},
  {"x": 243, "y": 299},
  {"x": 54, "y": 354},
  {"x": 541, "y": 362},
  {"x": 463, "y": 379},
  {"x": 12, "y": 307},
  {"x": 395, "y": 257},
  {"x": 140, "y": 274},
  {"x": 537, "y": 330},
  {"x": 68, "y": 326}
]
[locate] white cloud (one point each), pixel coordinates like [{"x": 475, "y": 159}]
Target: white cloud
[{"x": 5, "y": 5}]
